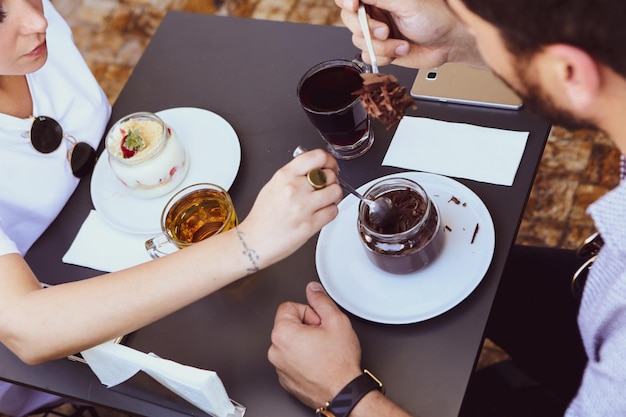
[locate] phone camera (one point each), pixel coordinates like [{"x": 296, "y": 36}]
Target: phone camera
[{"x": 431, "y": 75}]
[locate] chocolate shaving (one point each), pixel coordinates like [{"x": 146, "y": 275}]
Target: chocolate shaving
[
  {"x": 455, "y": 200},
  {"x": 384, "y": 99},
  {"x": 448, "y": 228},
  {"x": 410, "y": 215},
  {"x": 475, "y": 233},
  {"x": 409, "y": 207}
]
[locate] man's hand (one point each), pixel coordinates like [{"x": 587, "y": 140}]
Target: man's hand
[
  {"x": 426, "y": 32},
  {"x": 314, "y": 349}
]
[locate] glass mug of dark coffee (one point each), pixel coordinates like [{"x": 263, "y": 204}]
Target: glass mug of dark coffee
[{"x": 326, "y": 93}]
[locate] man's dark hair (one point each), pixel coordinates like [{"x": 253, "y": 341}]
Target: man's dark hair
[{"x": 595, "y": 26}]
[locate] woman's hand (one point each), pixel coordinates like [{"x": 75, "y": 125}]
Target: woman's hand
[{"x": 288, "y": 211}]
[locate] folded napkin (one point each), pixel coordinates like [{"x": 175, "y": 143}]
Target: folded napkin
[
  {"x": 100, "y": 246},
  {"x": 114, "y": 363},
  {"x": 457, "y": 150}
]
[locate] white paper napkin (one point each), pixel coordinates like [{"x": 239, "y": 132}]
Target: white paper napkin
[
  {"x": 457, "y": 150},
  {"x": 100, "y": 246},
  {"x": 114, "y": 363}
]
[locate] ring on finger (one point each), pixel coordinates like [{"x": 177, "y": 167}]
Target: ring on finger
[{"x": 317, "y": 178}]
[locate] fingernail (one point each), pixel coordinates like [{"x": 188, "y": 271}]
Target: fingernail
[
  {"x": 316, "y": 286},
  {"x": 347, "y": 4},
  {"x": 402, "y": 50},
  {"x": 380, "y": 33}
]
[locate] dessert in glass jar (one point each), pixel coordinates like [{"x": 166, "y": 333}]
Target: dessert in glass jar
[
  {"x": 146, "y": 155},
  {"x": 412, "y": 237}
]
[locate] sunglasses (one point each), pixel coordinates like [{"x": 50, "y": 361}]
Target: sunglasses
[
  {"x": 46, "y": 135},
  {"x": 588, "y": 250}
]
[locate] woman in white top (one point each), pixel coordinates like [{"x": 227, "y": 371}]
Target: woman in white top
[{"x": 43, "y": 74}]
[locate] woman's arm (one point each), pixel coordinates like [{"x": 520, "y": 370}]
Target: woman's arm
[{"x": 41, "y": 324}]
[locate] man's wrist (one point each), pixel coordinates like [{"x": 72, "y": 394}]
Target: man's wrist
[
  {"x": 350, "y": 395},
  {"x": 370, "y": 401}
]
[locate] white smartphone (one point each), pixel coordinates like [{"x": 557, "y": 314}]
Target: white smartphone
[{"x": 457, "y": 83}]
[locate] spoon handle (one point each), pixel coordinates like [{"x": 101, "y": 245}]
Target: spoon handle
[
  {"x": 301, "y": 149},
  {"x": 350, "y": 189},
  {"x": 365, "y": 28}
]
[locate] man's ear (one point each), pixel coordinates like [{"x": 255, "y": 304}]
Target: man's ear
[{"x": 577, "y": 72}]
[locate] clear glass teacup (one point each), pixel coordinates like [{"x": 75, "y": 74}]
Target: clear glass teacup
[{"x": 194, "y": 213}]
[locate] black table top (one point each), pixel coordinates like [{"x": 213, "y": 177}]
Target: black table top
[{"x": 247, "y": 71}]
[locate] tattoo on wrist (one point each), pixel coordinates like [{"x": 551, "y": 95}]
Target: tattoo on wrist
[{"x": 248, "y": 253}]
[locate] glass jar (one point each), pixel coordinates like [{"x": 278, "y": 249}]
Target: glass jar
[
  {"x": 412, "y": 238},
  {"x": 146, "y": 155}
]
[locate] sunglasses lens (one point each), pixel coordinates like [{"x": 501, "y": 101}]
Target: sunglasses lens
[
  {"x": 46, "y": 134},
  {"x": 83, "y": 159}
]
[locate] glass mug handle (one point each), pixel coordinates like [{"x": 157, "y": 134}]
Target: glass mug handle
[
  {"x": 156, "y": 245},
  {"x": 364, "y": 66}
]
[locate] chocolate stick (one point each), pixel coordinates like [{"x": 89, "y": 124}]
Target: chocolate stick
[{"x": 475, "y": 233}]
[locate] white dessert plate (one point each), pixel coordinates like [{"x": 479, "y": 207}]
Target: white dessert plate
[
  {"x": 214, "y": 156},
  {"x": 366, "y": 291}
]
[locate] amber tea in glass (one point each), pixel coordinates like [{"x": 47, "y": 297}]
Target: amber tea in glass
[
  {"x": 198, "y": 215},
  {"x": 191, "y": 215}
]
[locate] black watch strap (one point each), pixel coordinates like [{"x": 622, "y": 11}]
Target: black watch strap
[{"x": 350, "y": 395}]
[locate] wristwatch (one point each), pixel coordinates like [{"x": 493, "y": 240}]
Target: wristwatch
[{"x": 350, "y": 395}]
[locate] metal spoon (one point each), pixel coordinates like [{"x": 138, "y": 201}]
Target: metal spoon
[
  {"x": 365, "y": 28},
  {"x": 381, "y": 208}
]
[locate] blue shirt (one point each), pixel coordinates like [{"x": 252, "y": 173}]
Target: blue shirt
[{"x": 602, "y": 315}]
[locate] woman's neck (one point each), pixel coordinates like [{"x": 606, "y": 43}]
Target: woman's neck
[{"x": 15, "y": 98}]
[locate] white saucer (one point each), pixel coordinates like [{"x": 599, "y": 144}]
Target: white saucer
[
  {"x": 366, "y": 291},
  {"x": 214, "y": 156}
]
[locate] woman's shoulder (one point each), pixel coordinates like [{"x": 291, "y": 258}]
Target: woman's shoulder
[
  {"x": 65, "y": 88},
  {"x": 56, "y": 22}
]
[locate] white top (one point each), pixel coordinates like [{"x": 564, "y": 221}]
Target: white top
[{"x": 34, "y": 186}]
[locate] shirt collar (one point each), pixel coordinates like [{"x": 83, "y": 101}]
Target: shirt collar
[{"x": 608, "y": 214}]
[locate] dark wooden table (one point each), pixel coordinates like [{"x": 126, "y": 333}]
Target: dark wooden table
[{"x": 247, "y": 71}]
